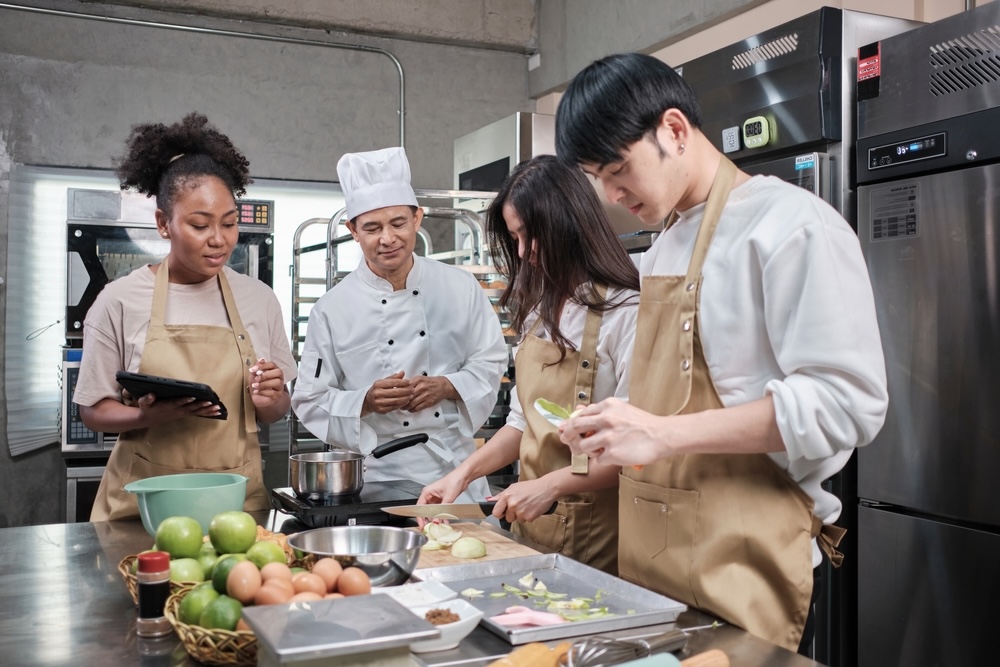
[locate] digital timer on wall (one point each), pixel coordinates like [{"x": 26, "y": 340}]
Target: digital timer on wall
[{"x": 756, "y": 132}]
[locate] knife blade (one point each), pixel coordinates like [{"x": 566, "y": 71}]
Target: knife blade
[{"x": 461, "y": 510}]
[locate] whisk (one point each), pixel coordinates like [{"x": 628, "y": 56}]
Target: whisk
[{"x": 600, "y": 651}]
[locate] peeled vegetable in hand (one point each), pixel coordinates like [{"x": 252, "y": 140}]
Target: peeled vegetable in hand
[{"x": 468, "y": 547}]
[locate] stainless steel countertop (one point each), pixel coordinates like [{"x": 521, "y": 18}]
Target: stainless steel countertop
[{"x": 64, "y": 602}]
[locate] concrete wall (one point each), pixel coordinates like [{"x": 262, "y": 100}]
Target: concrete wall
[
  {"x": 70, "y": 89},
  {"x": 498, "y": 24}
]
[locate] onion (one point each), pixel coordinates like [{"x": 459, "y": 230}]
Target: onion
[{"x": 468, "y": 547}]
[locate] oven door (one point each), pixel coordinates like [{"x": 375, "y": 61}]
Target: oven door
[{"x": 98, "y": 253}]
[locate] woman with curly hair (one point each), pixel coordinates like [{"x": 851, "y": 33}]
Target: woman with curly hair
[
  {"x": 189, "y": 317},
  {"x": 573, "y": 294}
]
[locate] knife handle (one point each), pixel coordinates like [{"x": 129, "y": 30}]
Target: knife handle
[{"x": 487, "y": 507}]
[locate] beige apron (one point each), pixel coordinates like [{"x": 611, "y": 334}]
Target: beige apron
[
  {"x": 216, "y": 356},
  {"x": 728, "y": 534},
  {"x": 584, "y": 526}
]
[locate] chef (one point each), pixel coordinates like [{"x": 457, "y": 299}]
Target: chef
[
  {"x": 757, "y": 364},
  {"x": 403, "y": 344}
]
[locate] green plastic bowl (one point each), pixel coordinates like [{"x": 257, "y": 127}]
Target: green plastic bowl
[{"x": 200, "y": 495}]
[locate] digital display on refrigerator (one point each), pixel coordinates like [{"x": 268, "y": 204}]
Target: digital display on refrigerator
[{"x": 910, "y": 150}]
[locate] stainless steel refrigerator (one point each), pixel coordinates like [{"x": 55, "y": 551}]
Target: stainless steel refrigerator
[{"x": 929, "y": 222}]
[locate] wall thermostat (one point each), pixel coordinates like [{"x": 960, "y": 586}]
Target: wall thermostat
[{"x": 756, "y": 132}]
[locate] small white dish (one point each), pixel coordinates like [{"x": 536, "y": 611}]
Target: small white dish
[
  {"x": 451, "y": 633},
  {"x": 419, "y": 594}
]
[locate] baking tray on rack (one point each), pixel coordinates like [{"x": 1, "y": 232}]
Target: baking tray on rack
[{"x": 630, "y": 606}]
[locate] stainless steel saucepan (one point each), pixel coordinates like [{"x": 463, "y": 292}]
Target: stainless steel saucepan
[{"x": 318, "y": 475}]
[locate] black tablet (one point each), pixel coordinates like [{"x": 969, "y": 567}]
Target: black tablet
[{"x": 139, "y": 384}]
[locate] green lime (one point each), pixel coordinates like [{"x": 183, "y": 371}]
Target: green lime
[
  {"x": 232, "y": 532},
  {"x": 195, "y": 602},
  {"x": 223, "y": 613},
  {"x": 264, "y": 552},
  {"x": 179, "y": 536},
  {"x": 220, "y": 573},
  {"x": 207, "y": 557},
  {"x": 186, "y": 569}
]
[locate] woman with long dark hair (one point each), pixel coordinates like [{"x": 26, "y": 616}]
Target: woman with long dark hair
[{"x": 572, "y": 293}]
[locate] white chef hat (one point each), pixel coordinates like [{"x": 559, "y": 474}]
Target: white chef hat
[{"x": 375, "y": 179}]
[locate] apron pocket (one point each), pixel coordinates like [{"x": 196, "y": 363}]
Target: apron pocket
[
  {"x": 658, "y": 531},
  {"x": 548, "y": 530}
]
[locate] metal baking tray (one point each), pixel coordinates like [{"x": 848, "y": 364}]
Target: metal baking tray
[
  {"x": 309, "y": 631},
  {"x": 632, "y": 606}
]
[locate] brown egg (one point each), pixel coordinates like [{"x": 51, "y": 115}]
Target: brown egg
[
  {"x": 306, "y": 596},
  {"x": 243, "y": 581},
  {"x": 329, "y": 569},
  {"x": 354, "y": 581},
  {"x": 271, "y": 593},
  {"x": 275, "y": 570},
  {"x": 307, "y": 581},
  {"x": 283, "y": 584}
]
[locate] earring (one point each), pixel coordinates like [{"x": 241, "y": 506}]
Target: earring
[
  {"x": 680, "y": 150},
  {"x": 163, "y": 234}
]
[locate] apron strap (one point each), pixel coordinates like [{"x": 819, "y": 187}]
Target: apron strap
[
  {"x": 717, "y": 198},
  {"x": 828, "y": 538},
  {"x": 586, "y": 371},
  {"x": 245, "y": 347}
]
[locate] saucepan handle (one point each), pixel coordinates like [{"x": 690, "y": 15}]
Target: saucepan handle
[{"x": 398, "y": 444}]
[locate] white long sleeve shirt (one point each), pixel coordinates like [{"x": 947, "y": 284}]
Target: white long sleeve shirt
[
  {"x": 361, "y": 331},
  {"x": 614, "y": 348},
  {"x": 787, "y": 311}
]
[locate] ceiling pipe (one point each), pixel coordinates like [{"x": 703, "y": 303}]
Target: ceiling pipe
[{"x": 401, "y": 112}]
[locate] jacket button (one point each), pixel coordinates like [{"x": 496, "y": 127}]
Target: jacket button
[
  {"x": 416, "y": 292},
  {"x": 390, "y": 341},
  {"x": 424, "y": 373},
  {"x": 585, "y": 363},
  {"x": 582, "y": 395},
  {"x": 685, "y": 365},
  {"x": 687, "y": 325},
  {"x": 406, "y": 423},
  {"x": 423, "y": 333},
  {"x": 437, "y": 414},
  {"x": 383, "y": 302}
]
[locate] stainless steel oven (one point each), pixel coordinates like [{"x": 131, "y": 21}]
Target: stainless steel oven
[{"x": 110, "y": 233}]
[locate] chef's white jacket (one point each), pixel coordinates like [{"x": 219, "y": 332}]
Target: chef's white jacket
[
  {"x": 787, "y": 311},
  {"x": 361, "y": 331}
]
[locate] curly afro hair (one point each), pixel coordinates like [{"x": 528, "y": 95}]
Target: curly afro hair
[{"x": 160, "y": 159}]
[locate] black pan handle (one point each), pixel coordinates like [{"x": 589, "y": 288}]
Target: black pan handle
[{"x": 399, "y": 443}]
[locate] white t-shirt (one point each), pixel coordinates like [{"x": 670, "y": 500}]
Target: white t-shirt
[
  {"x": 114, "y": 332},
  {"x": 787, "y": 311},
  {"x": 614, "y": 348}
]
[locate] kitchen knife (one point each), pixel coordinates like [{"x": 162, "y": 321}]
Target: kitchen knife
[{"x": 460, "y": 510}]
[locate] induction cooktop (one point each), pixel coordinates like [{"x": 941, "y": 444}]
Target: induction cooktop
[{"x": 361, "y": 508}]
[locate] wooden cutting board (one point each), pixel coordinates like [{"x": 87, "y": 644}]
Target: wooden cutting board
[{"x": 497, "y": 547}]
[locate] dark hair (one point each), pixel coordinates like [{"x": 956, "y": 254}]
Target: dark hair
[
  {"x": 564, "y": 219},
  {"x": 160, "y": 159},
  {"x": 615, "y": 102}
]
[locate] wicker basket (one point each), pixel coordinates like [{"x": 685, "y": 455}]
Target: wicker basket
[
  {"x": 126, "y": 563},
  {"x": 211, "y": 647}
]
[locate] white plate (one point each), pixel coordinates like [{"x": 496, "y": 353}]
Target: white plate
[
  {"x": 419, "y": 594},
  {"x": 451, "y": 633}
]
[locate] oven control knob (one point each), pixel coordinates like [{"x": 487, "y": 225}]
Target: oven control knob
[{"x": 971, "y": 155}]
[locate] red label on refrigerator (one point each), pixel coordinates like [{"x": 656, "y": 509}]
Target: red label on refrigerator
[{"x": 870, "y": 66}]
